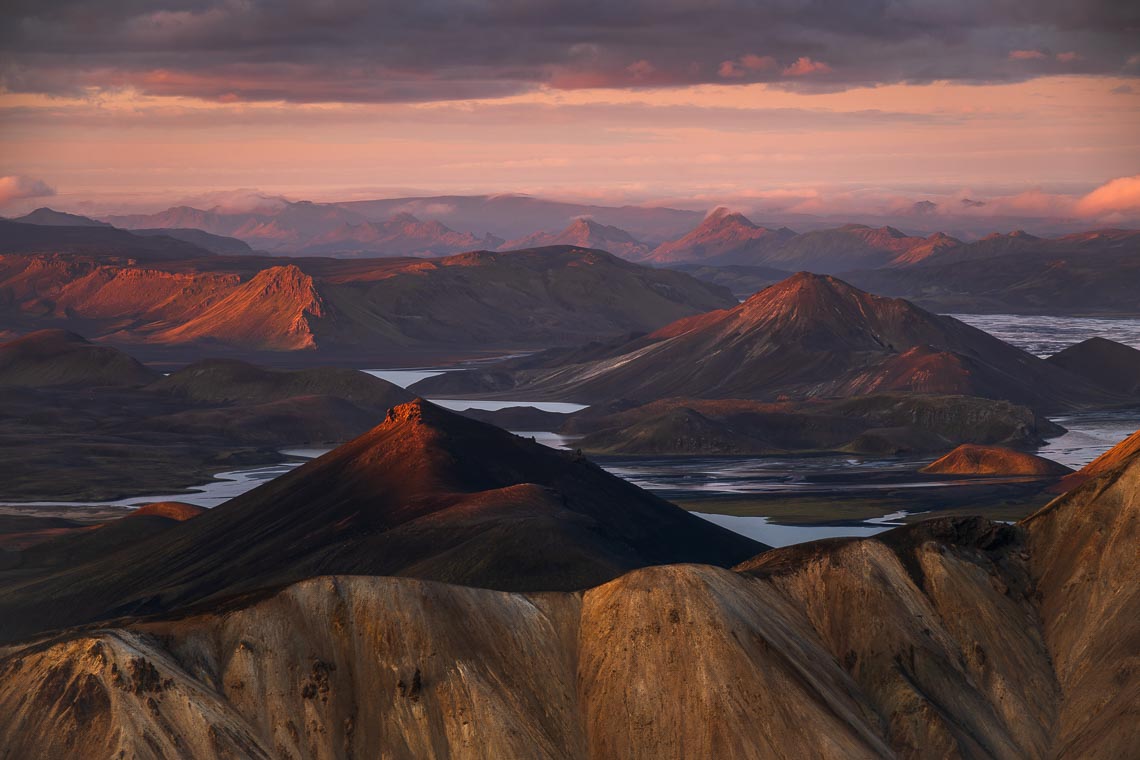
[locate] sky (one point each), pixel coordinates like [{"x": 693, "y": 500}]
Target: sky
[{"x": 843, "y": 107}]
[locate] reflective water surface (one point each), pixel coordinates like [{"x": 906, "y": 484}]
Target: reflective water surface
[{"x": 1045, "y": 336}]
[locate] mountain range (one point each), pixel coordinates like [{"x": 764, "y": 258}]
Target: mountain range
[{"x": 158, "y": 291}]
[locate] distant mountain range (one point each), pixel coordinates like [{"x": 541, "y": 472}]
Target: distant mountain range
[{"x": 1023, "y": 272}]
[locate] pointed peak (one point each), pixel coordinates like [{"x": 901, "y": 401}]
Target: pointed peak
[
  {"x": 417, "y": 411},
  {"x": 722, "y": 216}
]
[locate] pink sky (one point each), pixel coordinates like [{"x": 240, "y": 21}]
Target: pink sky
[{"x": 821, "y": 110}]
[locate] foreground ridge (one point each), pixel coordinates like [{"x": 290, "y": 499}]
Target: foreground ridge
[{"x": 954, "y": 637}]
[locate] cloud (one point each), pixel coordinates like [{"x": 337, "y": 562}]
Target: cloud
[
  {"x": 804, "y": 66},
  {"x": 239, "y": 201},
  {"x": 15, "y": 187},
  {"x": 357, "y": 51},
  {"x": 746, "y": 64},
  {"x": 1118, "y": 198}
]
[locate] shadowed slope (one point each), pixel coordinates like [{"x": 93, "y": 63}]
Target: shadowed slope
[
  {"x": 428, "y": 493},
  {"x": 60, "y": 358},
  {"x": 1106, "y": 363},
  {"x": 230, "y": 380}
]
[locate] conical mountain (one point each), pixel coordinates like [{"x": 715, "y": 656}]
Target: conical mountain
[
  {"x": 586, "y": 233},
  {"x": 428, "y": 493},
  {"x": 808, "y": 336},
  {"x": 723, "y": 237}
]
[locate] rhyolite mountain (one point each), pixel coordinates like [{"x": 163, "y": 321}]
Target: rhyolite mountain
[
  {"x": 722, "y": 237},
  {"x": 428, "y": 493},
  {"x": 954, "y": 637},
  {"x": 808, "y": 336},
  {"x": 586, "y": 233},
  {"x": 360, "y": 309}
]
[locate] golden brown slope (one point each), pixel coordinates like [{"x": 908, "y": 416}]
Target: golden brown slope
[
  {"x": 952, "y": 638},
  {"x": 972, "y": 459}
]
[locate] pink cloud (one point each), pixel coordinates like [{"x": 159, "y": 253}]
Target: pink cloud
[
  {"x": 729, "y": 70},
  {"x": 1026, "y": 55},
  {"x": 1068, "y": 57},
  {"x": 745, "y": 64},
  {"x": 15, "y": 187},
  {"x": 754, "y": 62},
  {"x": 1120, "y": 196},
  {"x": 640, "y": 69},
  {"x": 804, "y": 66}
]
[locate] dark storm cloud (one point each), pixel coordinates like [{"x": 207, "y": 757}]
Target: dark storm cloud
[{"x": 356, "y": 51}]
